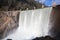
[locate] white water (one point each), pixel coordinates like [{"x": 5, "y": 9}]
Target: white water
[{"x": 32, "y": 23}]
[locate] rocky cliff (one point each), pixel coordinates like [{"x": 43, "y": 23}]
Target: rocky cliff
[{"x": 6, "y": 5}]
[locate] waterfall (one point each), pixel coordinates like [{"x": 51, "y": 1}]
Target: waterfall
[
  {"x": 32, "y": 23},
  {"x": 35, "y": 23}
]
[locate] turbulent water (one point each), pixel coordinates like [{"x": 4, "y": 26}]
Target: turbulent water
[{"x": 32, "y": 23}]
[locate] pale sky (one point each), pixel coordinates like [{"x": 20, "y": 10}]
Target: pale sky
[{"x": 49, "y": 2}]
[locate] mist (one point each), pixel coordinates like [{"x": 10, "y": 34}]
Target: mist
[{"x": 32, "y": 24}]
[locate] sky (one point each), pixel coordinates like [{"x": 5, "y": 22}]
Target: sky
[{"x": 48, "y": 2}]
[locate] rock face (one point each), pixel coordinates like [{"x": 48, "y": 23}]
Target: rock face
[
  {"x": 55, "y": 22},
  {"x": 44, "y": 38},
  {"x": 8, "y": 22},
  {"x": 6, "y": 5}
]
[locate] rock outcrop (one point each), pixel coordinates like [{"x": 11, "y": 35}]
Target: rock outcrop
[{"x": 9, "y": 5}]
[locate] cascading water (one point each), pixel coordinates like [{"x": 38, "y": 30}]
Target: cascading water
[{"x": 32, "y": 23}]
